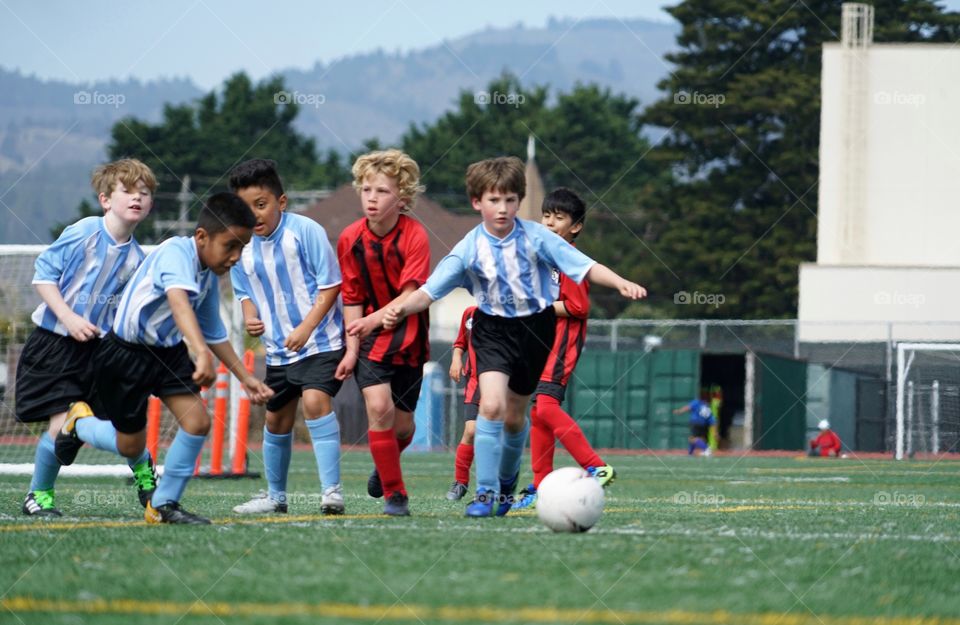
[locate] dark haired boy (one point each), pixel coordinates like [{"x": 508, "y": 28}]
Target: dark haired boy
[
  {"x": 288, "y": 284},
  {"x": 174, "y": 297}
]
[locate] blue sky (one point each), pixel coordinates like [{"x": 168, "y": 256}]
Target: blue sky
[{"x": 207, "y": 40}]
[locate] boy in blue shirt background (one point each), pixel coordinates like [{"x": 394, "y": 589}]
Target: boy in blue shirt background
[
  {"x": 701, "y": 422},
  {"x": 288, "y": 283},
  {"x": 80, "y": 278}
]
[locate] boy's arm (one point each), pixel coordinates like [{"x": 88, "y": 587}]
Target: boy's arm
[
  {"x": 251, "y": 318},
  {"x": 352, "y": 352},
  {"x": 682, "y": 409},
  {"x": 417, "y": 302},
  {"x": 456, "y": 365},
  {"x": 363, "y": 326},
  {"x": 258, "y": 392},
  {"x": 321, "y": 306},
  {"x": 604, "y": 276},
  {"x": 79, "y": 328},
  {"x": 186, "y": 320}
]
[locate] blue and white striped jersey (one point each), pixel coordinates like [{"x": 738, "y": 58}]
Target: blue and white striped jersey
[
  {"x": 510, "y": 277},
  {"x": 144, "y": 315},
  {"x": 90, "y": 269},
  {"x": 282, "y": 275}
]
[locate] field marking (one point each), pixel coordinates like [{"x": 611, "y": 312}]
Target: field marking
[{"x": 458, "y": 613}]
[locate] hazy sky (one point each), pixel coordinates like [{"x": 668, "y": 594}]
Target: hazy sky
[{"x": 207, "y": 40}]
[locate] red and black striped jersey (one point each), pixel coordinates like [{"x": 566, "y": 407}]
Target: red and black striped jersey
[
  {"x": 472, "y": 393},
  {"x": 375, "y": 270},
  {"x": 571, "y": 331}
]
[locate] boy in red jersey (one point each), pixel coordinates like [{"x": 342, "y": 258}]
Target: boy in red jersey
[
  {"x": 563, "y": 213},
  {"x": 471, "y": 401},
  {"x": 384, "y": 256}
]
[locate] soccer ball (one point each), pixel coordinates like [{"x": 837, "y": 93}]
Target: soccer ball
[{"x": 569, "y": 500}]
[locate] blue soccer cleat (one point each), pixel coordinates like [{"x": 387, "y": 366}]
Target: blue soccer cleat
[
  {"x": 506, "y": 498},
  {"x": 527, "y": 498},
  {"x": 482, "y": 504}
]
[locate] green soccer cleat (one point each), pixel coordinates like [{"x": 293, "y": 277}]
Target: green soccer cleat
[
  {"x": 145, "y": 479},
  {"x": 605, "y": 474},
  {"x": 40, "y": 503},
  {"x": 526, "y": 499}
]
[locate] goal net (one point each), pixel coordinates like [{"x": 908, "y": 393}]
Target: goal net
[
  {"x": 18, "y": 441},
  {"x": 928, "y": 398}
]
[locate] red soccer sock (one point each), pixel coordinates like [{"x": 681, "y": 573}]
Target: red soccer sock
[
  {"x": 386, "y": 457},
  {"x": 462, "y": 463},
  {"x": 541, "y": 446},
  {"x": 566, "y": 430}
]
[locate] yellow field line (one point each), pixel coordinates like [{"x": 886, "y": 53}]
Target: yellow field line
[
  {"x": 66, "y": 525},
  {"x": 390, "y": 613}
]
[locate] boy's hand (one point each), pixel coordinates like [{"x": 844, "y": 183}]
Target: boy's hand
[
  {"x": 255, "y": 326},
  {"x": 297, "y": 339},
  {"x": 257, "y": 391},
  {"x": 346, "y": 366},
  {"x": 204, "y": 373},
  {"x": 456, "y": 371},
  {"x": 392, "y": 316},
  {"x": 631, "y": 290},
  {"x": 361, "y": 327},
  {"x": 79, "y": 328}
]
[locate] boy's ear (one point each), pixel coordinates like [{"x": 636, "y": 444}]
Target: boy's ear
[
  {"x": 104, "y": 201},
  {"x": 282, "y": 200},
  {"x": 576, "y": 228},
  {"x": 475, "y": 202},
  {"x": 202, "y": 236}
]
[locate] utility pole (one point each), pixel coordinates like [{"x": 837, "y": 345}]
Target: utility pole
[{"x": 181, "y": 225}]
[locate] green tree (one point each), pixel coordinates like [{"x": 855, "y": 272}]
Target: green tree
[
  {"x": 207, "y": 138},
  {"x": 85, "y": 209},
  {"x": 484, "y": 124},
  {"x": 742, "y": 110}
]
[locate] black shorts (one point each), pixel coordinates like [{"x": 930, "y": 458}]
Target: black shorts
[
  {"x": 53, "y": 372},
  {"x": 126, "y": 374},
  {"x": 517, "y": 346},
  {"x": 470, "y": 412},
  {"x": 404, "y": 381},
  {"x": 551, "y": 389},
  {"x": 316, "y": 372},
  {"x": 699, "y": 431}
]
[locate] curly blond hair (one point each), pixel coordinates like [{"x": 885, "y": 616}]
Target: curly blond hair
[
  {"x": 393, "y": 164},
  {"x": 126, "y": 170}
]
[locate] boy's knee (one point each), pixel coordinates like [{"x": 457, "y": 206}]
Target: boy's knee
[
  {"x": 198, "y": 426},
  {"x": 129, "y": 447},
  {"x": 493, "y": 410},
  {"x": 317, "y": 405}
]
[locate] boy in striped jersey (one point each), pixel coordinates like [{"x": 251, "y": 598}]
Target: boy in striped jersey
[
  {"x": 385, "y": 256},
  {"x": 507, "y": 264},
  {"x": 564, "y": 214},
  {"x": 288, "y": 284},
  {"x": 174, "y": 297},
  {"x": 471, "y": 403},
  {"x": 79, "y": 278}
]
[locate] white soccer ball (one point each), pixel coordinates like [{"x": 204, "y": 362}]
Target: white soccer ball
[{"x": 569, "y": 500}]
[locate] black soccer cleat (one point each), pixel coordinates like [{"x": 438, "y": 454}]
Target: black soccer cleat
[
  {"x": 457, "y": 491},
  {"x": 39, "y": 503},
  {"x": 172, "y": 513},
  {"x": 397, "y": 504},
  {"x": 67, "y": 444},
  {"x": 374, "y": 485}
]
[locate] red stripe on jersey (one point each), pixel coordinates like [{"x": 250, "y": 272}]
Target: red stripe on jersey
[
  {"x": 570, "y": 334},
  {"x": 375, "y": 269}
]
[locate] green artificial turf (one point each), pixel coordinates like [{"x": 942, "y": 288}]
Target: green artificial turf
[{"x": 682, "y": 540}]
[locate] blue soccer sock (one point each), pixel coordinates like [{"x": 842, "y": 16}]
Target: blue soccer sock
[
  {"x": 325, "y": 433},
  {"x": 487, "y": 453},
  {"x": 276, "y": 463},
  {"x": 102, "y": 435},
  {"x": 178, "y": 467},
  {"x": 513, "y": 445},
  {"x": 46, "y": 467}
]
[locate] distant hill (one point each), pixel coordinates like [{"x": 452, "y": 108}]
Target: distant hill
[{"x": 52, "y": 133}]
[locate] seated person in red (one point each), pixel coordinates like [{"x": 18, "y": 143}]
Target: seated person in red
[{"x": 827, "y": 444}]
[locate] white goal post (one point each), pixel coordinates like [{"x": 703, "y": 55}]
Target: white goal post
[{"x": 928, "y": 398}]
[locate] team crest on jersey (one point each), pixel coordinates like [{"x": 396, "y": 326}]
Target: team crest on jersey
[
  {"x": 469, "y": 324},
  {"x": 555, "y": 275}
]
